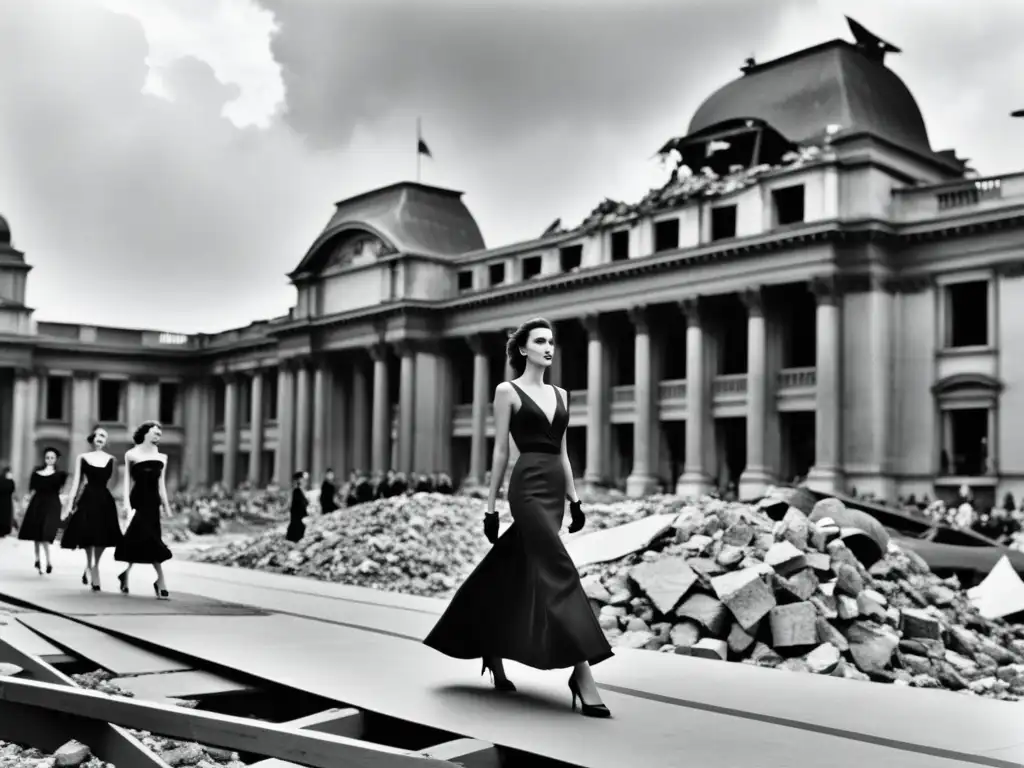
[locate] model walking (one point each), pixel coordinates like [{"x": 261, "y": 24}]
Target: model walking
[
  {"x": 145, "y": 493},
  {"x": 296, "y": 525},
  {"x": 6, "y": 502},
  {"x": 42, "y": 515},
  {"x": 524, "y": 601},
  {"x": 94, "y": 525},
  {"x": 328, "y": 490}
]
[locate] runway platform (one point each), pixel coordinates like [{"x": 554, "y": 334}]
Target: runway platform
[{"x": 225, "y": 627}]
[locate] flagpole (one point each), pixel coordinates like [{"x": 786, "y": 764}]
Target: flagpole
[{"x": 418, "y": 139}]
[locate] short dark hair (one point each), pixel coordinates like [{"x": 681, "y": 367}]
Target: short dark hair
[
  {"x": 142, "y": 430},
  {"x": 296, "y": 476},
  {"x": 51, "y": 449},
  {"x": 92, "y": 434},
  {"x": 519, "y": 337}
]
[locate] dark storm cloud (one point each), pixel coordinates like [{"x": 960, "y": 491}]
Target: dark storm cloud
[{"x": 501, "y": 69}]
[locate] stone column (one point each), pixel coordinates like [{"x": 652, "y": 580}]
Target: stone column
[
  {"x": 406, "y": 406},
  {"x": 256, "y": 428},
  {"x": 339, "y": 429},
  {"x": 83, "y": 410},
  {"x": 381, "y": 457},
  {"x": 695, "y": 481},
  {"x": 321, "y": 416},
  {"x": 481, "y": 403},
  {"x": 362, "y": 426},
  {"x": 285, "y": 458},
  {"x": 23, "y": 427},
  {"x": 641, "y": 480},
  {"x": 598, "y": 426},
  {"x": 756, "y": 477},
  {"x": 880, "y": 315},
  {"x": 826, "y": 474},
  {"x": 433, "y": 394},
  {"x": 231, "y": 408},
  {"x": 302, "y": 417}
]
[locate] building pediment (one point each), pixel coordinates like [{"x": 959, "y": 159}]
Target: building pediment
[{"x": 967, "y": 382}]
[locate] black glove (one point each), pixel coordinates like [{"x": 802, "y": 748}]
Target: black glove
[
  {"x": 578, "y": 518},
  {"x": 491, "y": 526}
]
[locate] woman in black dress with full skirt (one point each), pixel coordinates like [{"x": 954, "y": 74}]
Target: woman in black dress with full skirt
[
  {"x": 146, "y": 494},
  {"x": 6, "y": 502},
  {"x": 524, "y": 601},
  {"x": 94, "y": 525},
  {"x": 297, "y": 512},
  {"x": 42, "y": 515}
]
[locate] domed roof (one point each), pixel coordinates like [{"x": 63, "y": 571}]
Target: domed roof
[
  {"x": 408, "y": 217},
  {"x": 834, "y": 83}
]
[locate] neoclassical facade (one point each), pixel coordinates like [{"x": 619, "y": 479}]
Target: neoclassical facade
[{"x": 837, "y": 301}]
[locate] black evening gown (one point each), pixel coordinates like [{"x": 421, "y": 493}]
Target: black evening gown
[
  {"x": 327, "y": 492},
  {"x": 94, "y": 522},
  {"x": 6, "y": 506},
  {"x": 297, "y": 528},
  {"x": 42, "y": 518},
  {"x": 524, "y": 601},
  {"x": 143, "y": 541}
]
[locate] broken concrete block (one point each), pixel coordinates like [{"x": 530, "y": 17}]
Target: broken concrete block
[
  {"x": 785, "y": 558},
  {"x": 848, "y": 607},
  {"x": 848, "y": 580},
  {"x": 793, "y": 625},
  {"x": 70, "y": 754},
  {"x": 739, "y": 534},
  {"x": 823, "y": 660},
  {"x": 802, "y": 584},
  {"x": 739, "y": 639},
  {"x": 829, "y": 634},
  {"x": 664, "y": 581},
  {"x": 871, "y": 646},
  {"x": 706, "y": 610},
  {"x": 745, "y": 594},
  {"x": 710, "y": 648},
  {"x": 685, "y": 633}
]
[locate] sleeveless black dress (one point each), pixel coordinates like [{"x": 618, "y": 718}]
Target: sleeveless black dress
[
  {"x": 142, "y": 541},
  {"x": 524, "y": 601},
  {"x": 297, "y": 528},
  {"x": 6, "y": 506},
  {"x": 42, "y": 518},
  {"x": 94, "y": 522}
]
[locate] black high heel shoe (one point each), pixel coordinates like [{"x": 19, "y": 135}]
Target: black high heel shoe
[
  {"x": 587, "y": 710},
  {"x": 505, "y": 686},
  {"x": 49, "y": 568},
  {"x": 39, "y": 568},
  {"x": 95, "y": 581},
  {"x": 161, "y": 594},
  {"x": 123, "y": 578}
]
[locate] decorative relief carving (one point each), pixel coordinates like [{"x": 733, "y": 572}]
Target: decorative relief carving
[
  {"x": 753, "y": 300},
  {"x": 361, "y": 248},
  {"x": 640, "y": 317},
  {"x": 826, "y": 288},
  {"x": 690, "y": 307},
  {"x": 591, "y": 324}
]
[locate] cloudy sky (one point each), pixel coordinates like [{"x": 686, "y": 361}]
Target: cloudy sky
[{"x": 164, "y": 163}]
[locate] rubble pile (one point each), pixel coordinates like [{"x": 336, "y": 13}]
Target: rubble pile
[
  {"x": 684, "y": 184},
  {"x": 423, "y": 544},
  {"x": 73, "y": 754},
  {"x": 733, "y": 582}
]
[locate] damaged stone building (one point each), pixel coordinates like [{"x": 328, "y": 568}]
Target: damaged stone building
[{"x": 815, "y": 293}]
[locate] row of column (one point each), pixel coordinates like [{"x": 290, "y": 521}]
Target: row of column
[{"x": 695, "y": 479}]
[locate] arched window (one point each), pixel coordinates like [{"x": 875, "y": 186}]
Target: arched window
[
  {"x": 968, "y": 404},
  {"x": 354, "y": 248}
]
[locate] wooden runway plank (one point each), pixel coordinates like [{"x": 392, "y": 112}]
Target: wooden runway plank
[
  {"x": 410, "y": 682},
  {"x": 24, "y": 638},
  {"x": 192, "y": 684},
  {"x": 114, "y": 655}
]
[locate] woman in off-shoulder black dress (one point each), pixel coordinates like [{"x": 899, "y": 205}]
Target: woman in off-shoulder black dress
[
  {"x": 42, "y": 515},
  {"x": 525, "y": 601},
  {"x": 94, "y": 525},
  {"x": 146, "y": 494},
  {"x": 297, "y": 512},
  {"x": 7, "y": 489}
]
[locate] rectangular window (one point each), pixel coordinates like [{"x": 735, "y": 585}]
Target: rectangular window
[
  {"x": 270, "y": 395},
  {"x": 496, "y": 273},
  {"x": 666, "y": 235},
  {"x": 570, "y": 257},
  {"x": 56, "y": 398},
  {"x": 968, "y": 443},
  {"x": 110, "y": 396},
  {"x": 723, "y": 222},
  {"x": 531, "y": 267},
  {"x": 620, "y": 245},
  {"x": 465, "y": 280},
  {"x": 788, "y": 205},
  {"x": 220, "y": 395},
  {"x": 168, "y": 403},
  {"x": 967, "y": 314}
]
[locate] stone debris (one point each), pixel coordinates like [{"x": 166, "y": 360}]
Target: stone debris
[
  {"x": 762, "y": 584},
  {"x": 76, "y": 755}
]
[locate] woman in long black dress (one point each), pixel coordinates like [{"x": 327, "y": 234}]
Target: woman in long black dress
[
  {"x": 94, "y": 525},
  {"x": 296, "y": 525},
  {"x": 328, "y": 490},
  {"x": 146, "y": 494},
  {"x": 42, "y": 515},
  {"x": 6, "y": 502},
  {"x": 524, "y": 601}
]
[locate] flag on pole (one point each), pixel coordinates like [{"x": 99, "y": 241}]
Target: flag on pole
[{"x": 422, "y": 148}]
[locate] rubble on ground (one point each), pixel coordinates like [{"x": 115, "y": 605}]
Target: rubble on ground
[{"x": 759, "y": 584}]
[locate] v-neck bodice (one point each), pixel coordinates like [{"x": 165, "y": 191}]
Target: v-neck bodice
[{"x": 531, "y": 429}]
